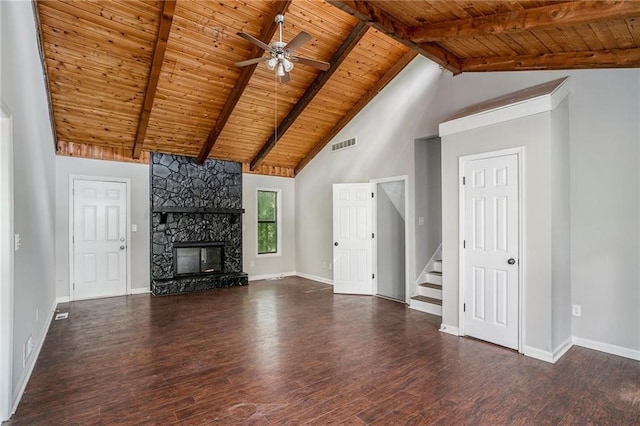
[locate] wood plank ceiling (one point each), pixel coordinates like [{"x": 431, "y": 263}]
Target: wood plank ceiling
[{"x": 128, "y": 77}]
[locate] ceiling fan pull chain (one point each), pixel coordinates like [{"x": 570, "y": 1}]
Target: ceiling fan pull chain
[{"x": 275, "y": 109}]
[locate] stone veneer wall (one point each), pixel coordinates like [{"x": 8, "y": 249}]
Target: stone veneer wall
[{"x": 198, "y": 203}]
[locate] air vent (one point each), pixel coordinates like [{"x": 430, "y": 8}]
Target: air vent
[{"x": 339, "y": 146}]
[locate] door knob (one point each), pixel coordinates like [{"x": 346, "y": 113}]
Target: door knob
[
  {"x": 335, "y": 244},
  {"x": 121, "y": 247},
  {"x": 511, "y": 261}
]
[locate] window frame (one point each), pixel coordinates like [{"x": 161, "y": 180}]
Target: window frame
[{"x": 278, "y": 223}]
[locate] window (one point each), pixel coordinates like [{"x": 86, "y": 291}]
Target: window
[{"x": 268, "y": 221}]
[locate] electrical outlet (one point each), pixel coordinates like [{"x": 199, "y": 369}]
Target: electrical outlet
[
  {"x": 330, "y": 266},
  {"x": 576, "y": 310},
  {"x": 252, "y": 264},
  {"x": 26, "y": 352},
  {"x": 324, "y": 264},
  {"x": 37, "y": 314}
]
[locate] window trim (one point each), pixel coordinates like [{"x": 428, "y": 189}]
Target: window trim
[{"x": 278, "y": 223}]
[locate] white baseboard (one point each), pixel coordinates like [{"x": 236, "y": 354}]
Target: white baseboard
[
  {"x": 314, "y": 278},
  {"x": 140, "y": 290},
  {"x": 536, "y": 353},
  {"x": 607, "y": 347},
  {"x": 449, "y": 329},
  {"x": 62, "y": 299},
  {"x": 26, "y": 373},
  {"x": 277, "y": 276},
  {"x": 546, "y": 356},
  {"x": 562, "y": 349}
]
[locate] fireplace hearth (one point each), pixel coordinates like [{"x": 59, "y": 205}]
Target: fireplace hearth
[{"x": 196, "y": 224}]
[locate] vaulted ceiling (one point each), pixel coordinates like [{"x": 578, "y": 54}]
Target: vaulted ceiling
[{"x": 128, "y": 77}]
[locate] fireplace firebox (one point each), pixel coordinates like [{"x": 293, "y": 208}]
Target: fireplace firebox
[{"x": 198, "y": 258}]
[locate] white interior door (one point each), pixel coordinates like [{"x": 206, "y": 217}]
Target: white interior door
[
  {"x": 99, "y": 239},
  {"x": 352, "y": 253},
  {"x": 491, "y": 248}
]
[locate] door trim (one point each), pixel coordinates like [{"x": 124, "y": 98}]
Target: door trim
[
  {"x": 520, "y": 153},
  {"x": 6, "y": 263},
  {"x": 374, "y": 227},
  {"x": 127, "y": 182}
]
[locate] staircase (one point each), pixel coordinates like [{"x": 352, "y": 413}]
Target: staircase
[{"x": 429, "y": 297}]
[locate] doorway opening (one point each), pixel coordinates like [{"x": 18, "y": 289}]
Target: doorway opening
[{"x": 390, "y": 207}]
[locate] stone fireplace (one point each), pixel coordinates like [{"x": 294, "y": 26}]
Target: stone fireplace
[{"x": 196, "y": 224}]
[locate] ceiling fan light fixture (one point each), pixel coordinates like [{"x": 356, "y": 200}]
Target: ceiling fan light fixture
[
  {"x": 280, "y": 70},
  {"x": 288, "y": 65},
  {"x": 271, "y": 63}
]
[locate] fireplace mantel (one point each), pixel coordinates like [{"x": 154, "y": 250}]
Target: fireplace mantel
[{"x": 213, "y": 210}]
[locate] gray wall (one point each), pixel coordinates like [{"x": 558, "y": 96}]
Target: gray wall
[
  {"x": 428, "y": 199},
  {"x": 560, "y": 227},
  {"x": 255, "y": 266},
  {"x": 138, "y": 174},
  {"x": 24, "y": 93},
  {"x": 391, "y": 245},
  {"x": 532, "y": 133},
  {"x": 386, "y": 130},
  {"x": 603, "y": 109}
]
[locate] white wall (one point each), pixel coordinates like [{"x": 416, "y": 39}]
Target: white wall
[
  {"x": 138, "y": 174},
  {"x": 24, "y": 93},
  {"x": 604, "y": 107},
  {"x": 262, "y": 267}
]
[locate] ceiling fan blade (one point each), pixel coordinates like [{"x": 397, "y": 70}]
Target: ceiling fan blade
[
  {"x": 251, "y": 61},
  {"x": 321, "y": 65},
  {"x": 285, "y": 78},
  {"x": 255, "y": 41},
  {"x": 297, "y": 41}
]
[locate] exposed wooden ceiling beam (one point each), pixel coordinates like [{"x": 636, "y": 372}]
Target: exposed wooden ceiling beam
[
  {"x": 553, "y": 16},
  {"x": 619, "y": 58},
  {"x": 364, "y": 100},
  {"x": 384, "y": 22},
  {"x": 164, "y": 28},
  {"x": 321, "y": 79},
  {"x": 267, "y": 33}
]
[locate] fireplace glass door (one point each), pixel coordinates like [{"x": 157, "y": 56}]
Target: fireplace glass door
[{"x": 198, "y": 260}]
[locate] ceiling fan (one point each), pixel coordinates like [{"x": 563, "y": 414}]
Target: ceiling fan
[{"x": 280, "y": 54}]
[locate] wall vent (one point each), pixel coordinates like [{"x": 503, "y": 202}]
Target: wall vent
[{"x": 339, "y": 146}]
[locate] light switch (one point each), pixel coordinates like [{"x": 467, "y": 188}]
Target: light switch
[
  {"x": 134, "y": 227},
  {"x": 420, "y": 220},
  {"x": 17, "y": 242}
]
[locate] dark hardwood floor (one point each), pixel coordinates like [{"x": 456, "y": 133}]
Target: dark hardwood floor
[{"x": 291, "y": 352}]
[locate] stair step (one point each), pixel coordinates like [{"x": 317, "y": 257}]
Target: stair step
[
  {"x": 428, "y": 300},
  {"x": 431, "y": 285},
  {"x": 439, "y": 273}
]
